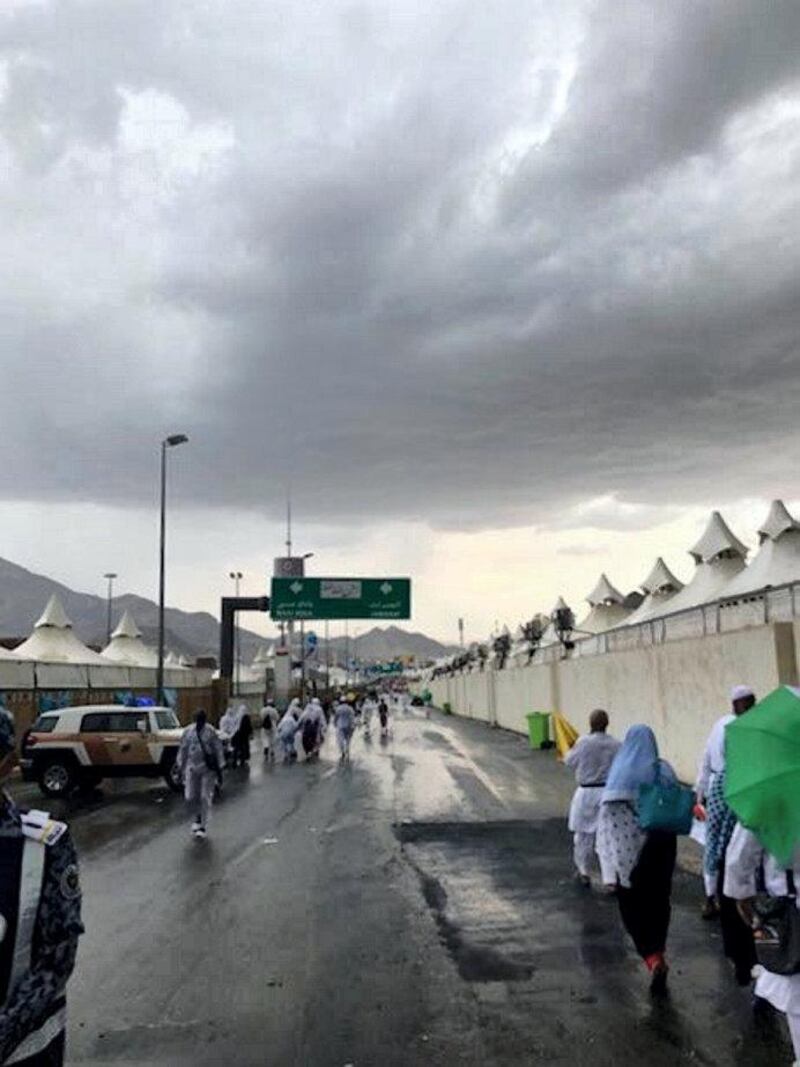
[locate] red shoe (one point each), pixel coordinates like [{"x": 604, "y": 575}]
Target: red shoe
[{"x": 659, "y": 970}]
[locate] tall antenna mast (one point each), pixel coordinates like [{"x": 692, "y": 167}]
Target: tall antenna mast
[{"x": 289, "y": 522}]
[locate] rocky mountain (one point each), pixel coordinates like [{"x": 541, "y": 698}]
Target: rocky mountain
[
  {"x": 23, "y": 596},
  {"x": 387, "y": 643}
]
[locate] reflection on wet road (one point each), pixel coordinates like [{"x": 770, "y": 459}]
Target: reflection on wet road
[{"x": 415, "y": 907}]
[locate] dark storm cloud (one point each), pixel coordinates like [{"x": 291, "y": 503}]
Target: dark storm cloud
[{"x": 459, "y": 265}]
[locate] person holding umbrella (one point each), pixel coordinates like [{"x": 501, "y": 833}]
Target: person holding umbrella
[{"x": 763, "y": 789}]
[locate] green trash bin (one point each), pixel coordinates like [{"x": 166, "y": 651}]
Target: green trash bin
[{"x": 538, "y": 728}]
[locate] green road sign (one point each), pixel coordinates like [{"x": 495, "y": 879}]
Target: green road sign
[{"x": 340, "y": 598}]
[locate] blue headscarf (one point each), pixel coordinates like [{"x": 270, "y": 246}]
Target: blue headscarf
[{"x": 636, "y": 764}]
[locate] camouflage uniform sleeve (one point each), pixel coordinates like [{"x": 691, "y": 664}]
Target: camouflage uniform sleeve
[{"x": 55, "y": 945}]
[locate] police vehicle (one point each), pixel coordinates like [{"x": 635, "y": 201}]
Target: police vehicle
[{"x": 79, "y": 747}]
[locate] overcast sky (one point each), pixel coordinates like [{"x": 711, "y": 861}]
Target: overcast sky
[{"x": 509, "y": 292}]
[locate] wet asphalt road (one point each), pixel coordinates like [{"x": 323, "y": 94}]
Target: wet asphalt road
[{"x": 415, "y": 907}]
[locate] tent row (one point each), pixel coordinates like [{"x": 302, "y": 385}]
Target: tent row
[
  {"x": 721, "y": 573},
  {"x": 53, "y": 641}
]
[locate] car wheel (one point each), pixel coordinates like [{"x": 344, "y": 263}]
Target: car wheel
[
  {"x": 57, "y": 779},
  {"x": 173, "y": 777}
]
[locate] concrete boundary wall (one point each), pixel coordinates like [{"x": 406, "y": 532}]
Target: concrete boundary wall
[{"x": 679, "y": 688}]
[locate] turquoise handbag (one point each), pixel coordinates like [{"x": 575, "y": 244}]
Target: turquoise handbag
[{"x": 666, "y": 806}]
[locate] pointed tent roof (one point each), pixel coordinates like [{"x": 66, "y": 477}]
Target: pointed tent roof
[
  {"x": 777, "y": 560},
  {"x": 126, "y": 627},
  {"x": 550, "y": 636},
  {"x": 661, "y": 579},
  {"x": 604, "y": 593},
  {"x": 604, "y": 616},
  {"x": 53, "y": 640},
  {"x": 708, "y": 582},
  {"x": 778, "y": 522},
  {"x": 716, "y": 539},
  {"x": 54, "y": 615},
  {"x": 127, "y": 647},
  {"x": 661, "y": 586}
]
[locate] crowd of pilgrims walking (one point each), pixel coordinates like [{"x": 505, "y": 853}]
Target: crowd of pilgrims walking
[
  {"x": 636, "y": 865},
  {"x": 205, "y": 752}
]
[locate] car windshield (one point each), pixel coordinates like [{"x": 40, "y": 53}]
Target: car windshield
[{"x": 167, "y": 720}]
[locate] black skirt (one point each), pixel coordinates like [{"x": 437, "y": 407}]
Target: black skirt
[{"x": 645, "y": 908}]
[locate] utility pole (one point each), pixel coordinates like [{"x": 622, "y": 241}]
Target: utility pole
[
  {"x": 461, "y": 632},
  {"x": 172, "y": 441}
]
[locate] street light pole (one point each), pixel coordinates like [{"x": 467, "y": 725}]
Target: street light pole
[
  {"x": 169, "y": 442},
  {"x": 237, "y": 650},
  {"x": 110, "y": 576}
]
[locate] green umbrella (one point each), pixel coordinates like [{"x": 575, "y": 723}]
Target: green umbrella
[{"x": 762, "y": 771}]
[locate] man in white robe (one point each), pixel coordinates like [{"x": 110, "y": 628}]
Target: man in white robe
[{"x": 590, "y": 758}]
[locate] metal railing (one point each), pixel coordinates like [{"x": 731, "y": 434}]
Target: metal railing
[{"x": 772, "y": 603}]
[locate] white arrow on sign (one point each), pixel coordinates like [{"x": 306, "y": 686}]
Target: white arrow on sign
[
  {"x": 386, "y": 589},
  {"x": 296, "y": 587}
]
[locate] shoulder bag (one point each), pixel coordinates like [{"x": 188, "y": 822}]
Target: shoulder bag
[
  {"x": 666, "y": 806},
  {"x": 777, "y": 931}
]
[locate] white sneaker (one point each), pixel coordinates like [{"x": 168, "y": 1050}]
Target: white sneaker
[
  {"x": 200, "y": 831},
  {"x": 196, "y": 825}
]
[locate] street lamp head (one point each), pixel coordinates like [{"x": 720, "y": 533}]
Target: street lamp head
[
  {"x": 111, "y": 574},
  {"x": 235, "y": 574},
  {"x": 176, "y": 439},
  {"x": 308, "y": 555}
]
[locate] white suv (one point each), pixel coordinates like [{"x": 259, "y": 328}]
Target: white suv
[{"x": 80, "y": 746}]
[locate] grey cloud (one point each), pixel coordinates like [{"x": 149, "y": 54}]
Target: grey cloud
[{"x": 374, "y": 292}]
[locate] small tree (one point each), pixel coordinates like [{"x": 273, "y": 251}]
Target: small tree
[
  {"x": 533, "y": 632},
  {"x": 564, "y": 622},
  {"x": 502, "y": 647}
]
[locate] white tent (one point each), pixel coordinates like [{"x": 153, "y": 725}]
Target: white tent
[
  {"x": 173, "y": 661},
  {"x": 519, "y": 646},
  {"x": 264, "y": 656},
  {"x": 778, "y": 558},
  {"x": 607, "y": 608},
  {"x": 126, "y": 645},
  {"x": 53, "y": 640},
  {"x": 719, "y": 556},
  {"x": 660, "y": 586},
  {"x": 550, "y": 636}
]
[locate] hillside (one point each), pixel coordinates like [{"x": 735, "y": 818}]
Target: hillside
[{"x": 24, "y": 594}]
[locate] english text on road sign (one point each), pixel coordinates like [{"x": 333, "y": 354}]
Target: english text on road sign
[{"x": 340, "y": 598}]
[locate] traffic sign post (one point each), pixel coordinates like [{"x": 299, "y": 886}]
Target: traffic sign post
[{"x": 340, "y": 598}]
